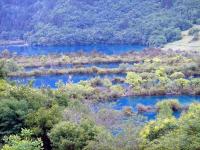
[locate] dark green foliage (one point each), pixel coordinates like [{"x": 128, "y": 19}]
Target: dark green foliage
[
  {"x": 172, "y": 34},
  {"x": 156, "y": 41},
  {"x": 42, "y": 121},
  {"x": 98, "y": 21},
  {"x": 35, "y": 98},
  {"x": 67, "y": 135},
  {"x": 3, "y": 71},
  {"x": 7, "y": 66},
  {"x": 62, "y": 98},
  {"x": 12, "y": 116},
  {"x": 183, "y": 24}
]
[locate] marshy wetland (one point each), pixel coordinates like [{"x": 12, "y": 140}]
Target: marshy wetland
[
  {"x": 148, "y": 72},
  {"x": 100, "y": 74},
  {"x": 119, "y": 92}
]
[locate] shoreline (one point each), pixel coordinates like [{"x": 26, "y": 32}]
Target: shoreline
[
  {"x": 23, "y": 42},
  {"x": 13, "y": 43}
]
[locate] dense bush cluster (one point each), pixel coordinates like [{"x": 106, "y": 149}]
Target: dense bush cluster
[
  {"x": 169, "y": 133},
  {"x": 59, "y": 119},
  {"x": 35, "y": 119},
  {"x": 149, "y": 22},
  {"x": 160, "y": 76}
]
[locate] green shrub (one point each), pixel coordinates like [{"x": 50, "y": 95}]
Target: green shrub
[
  {"x": 195, "y": 37},
  {"x": 24, "y": 141},
  {"x": 177, "y": 75},
  {"x": 171, "y": 133},
  {"x": 157, "y": 41},
  {"x": 156, "y": 129},
  {"x": 68, "y": 135},
  {"x": 117, "y": 89},
  {"x": 134, "y": 79},
  {"x": 182, "y": 83},
  {"x": 12, "y": 116},
  {"x": 193, "y": 31},
  {"x": 106, "y": 82}
]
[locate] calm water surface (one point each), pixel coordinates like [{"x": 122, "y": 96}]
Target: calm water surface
[
  {"x": 150, "y": 101},
  {"x": 51, "y": 80},
  {"x": 45, "y": 50}
]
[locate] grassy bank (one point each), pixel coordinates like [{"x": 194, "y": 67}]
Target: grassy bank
[{"x": 189, "y": 42}]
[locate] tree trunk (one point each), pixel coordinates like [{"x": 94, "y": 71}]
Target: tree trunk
[{"x": 46, "y": 142}]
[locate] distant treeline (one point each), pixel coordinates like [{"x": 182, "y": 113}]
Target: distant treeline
[{"x": 148, "y": 22}]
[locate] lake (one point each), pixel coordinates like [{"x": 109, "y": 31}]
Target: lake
[
  {"x": 45, "y": 50},
  {"x": 132, "y": 102},
  {"x": 51, "y": 80}
]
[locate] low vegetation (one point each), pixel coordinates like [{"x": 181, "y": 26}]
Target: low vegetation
[
  {"x": 154, "y": 72},
  {"x": 64, "y": 117},
  {"x": 167, "y": 132},
  {"x": 59, "y": 119}
]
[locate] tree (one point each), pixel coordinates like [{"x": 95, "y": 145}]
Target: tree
[
  {"x": 3, "y": 86},
  {"x": 34, "y": 97},
  {"x": 127, "y": 139},
  {"x": 157, "y": 40},
  {"x": 12, "y": 116},
  {"x": 171, "y": 133},
  {"x": 3, "y": 71},
  {"x": 173, "y": 34},
  {"x": 68, "y": 135},
  {"x": 24, "y": 141},
  {"x": 183, "y": 24},
  {"x": 42, "y": 121},
  {"x": 190, "y": 128},
  {"x": 52, "y": 22}
]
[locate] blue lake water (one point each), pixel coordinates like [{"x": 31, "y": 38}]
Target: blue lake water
[
  {"x": 150, "y": 101},
  {"x": 45, "y": 50},
  {"x": 51, "y": 80}
]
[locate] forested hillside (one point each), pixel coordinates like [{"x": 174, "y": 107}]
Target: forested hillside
[{"x": 149, "y": 22}]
